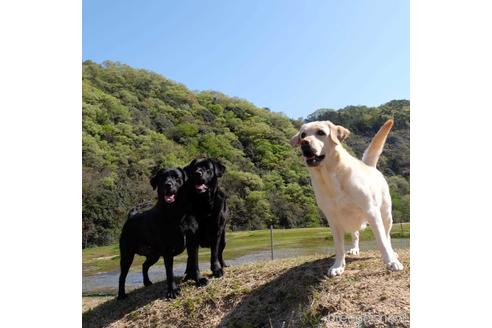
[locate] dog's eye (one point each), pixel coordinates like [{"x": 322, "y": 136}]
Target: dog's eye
[
  {"x": 303, "y": 135},
  {"x": 320, "y": 133}
]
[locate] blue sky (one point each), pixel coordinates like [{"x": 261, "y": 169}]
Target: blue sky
[{"x": 291, "y": 56}]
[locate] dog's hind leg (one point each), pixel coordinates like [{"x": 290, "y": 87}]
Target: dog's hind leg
[
  {"x": 126, "y": 261},
  {"x": 222, "y": 245},
  {"x": 384, "y": 244},
  {"x": 355, "y": 244},
  {"x": 149, "y": 261},
  {"x": 387, "y": 217}
]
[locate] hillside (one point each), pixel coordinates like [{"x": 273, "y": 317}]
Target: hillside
[
  {"x": 364, "y": 122},
  {"x": 291, "y": 292},
  {"x": 135, "y": 121}
]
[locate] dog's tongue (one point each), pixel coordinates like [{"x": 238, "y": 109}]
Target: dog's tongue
[
  {"x": 201, "y": 187},
  {"x": 169, "y": 198}
]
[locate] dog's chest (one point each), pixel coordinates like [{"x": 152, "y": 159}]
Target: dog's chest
[
  {"x": 328, "y": 190},
  {"x": 336, "y": 202}
]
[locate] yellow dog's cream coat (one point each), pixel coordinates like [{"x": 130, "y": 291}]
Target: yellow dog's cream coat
[{"x": 350, "y": 192}]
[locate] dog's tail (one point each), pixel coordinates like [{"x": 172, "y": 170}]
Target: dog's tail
[{"x": 372, "y": 153}]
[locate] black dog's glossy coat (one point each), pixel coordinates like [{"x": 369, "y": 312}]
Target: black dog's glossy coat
[
  {"x": 209, "y": 215},
  {"x": 159, "y": 231}
]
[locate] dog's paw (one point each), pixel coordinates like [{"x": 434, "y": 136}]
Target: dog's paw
[
  {"x": 172, "y": 293},
  {"x": 394, "y": 265},
  {"x": 335, "y": 271},
  {"x": 353, "y": 251},
  {"x": 121, "y": 297},
  {"x": 202, "y": 282},
  {"x": 218, "y": 273},
  {"x": 188, "y": 276}
]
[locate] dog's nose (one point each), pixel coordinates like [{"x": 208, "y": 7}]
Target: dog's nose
[
  {"x": 306, "y": 148},
  {"x": 304, "y": 142},
  {"x": 168, "y": 185},
  {"x": 199, "y": 173}
]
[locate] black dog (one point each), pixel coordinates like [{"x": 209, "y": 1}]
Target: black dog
[
  {"x": 157, "y": 232},
  {"x": 209, "y": 213}
]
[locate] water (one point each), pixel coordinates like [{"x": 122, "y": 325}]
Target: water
[{"x": 107, "y": 282}]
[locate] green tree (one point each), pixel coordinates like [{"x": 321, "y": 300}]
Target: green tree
[{"x": 136, "y": 121}]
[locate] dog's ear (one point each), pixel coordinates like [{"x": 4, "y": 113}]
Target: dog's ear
[
  {"x": 337, "y": 132},
  {"x": 154, "y": 180},
  {"x": 187, "y": 169},
  {"x": 219, "y": 168},
  {"x": 185, "y": 175},
  {"x": 342, "y": 133},
  {"x": 295, "y": 141}
]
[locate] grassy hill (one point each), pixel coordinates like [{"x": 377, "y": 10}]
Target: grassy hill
[
  {"x": 290, "y": 292},
  {"x": 135, "y": 121}
]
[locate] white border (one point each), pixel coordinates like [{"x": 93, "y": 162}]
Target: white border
[
  {"x": 450, "y": 143},
  {"x": 41, "y": 162},
  {"x": 40, "y": 137}
]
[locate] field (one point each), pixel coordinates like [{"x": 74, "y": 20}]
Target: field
[
  {"x": 291, "y": 292},
  {"x": 106, "y": 258}
]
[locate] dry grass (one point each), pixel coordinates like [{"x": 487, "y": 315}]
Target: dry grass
[
  {"x": 284, "y": 293},
  {"x": 91, "y": 302}
]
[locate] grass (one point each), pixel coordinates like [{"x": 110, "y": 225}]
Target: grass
[
  {"x": 106, "y": 258},
  {"x": 291, "y": 292}
]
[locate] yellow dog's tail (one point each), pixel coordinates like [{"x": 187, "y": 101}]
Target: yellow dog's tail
[{"x": 372, "y": 153}]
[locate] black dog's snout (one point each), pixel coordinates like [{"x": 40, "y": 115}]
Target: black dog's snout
[
  {"x": 304, "y": 142},
  {"x": 168, "y": 184},
  {"x": 199, "y": 173}
]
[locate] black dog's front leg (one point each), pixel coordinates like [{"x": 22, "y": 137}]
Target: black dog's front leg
[
  {"x": 172, "y": 289},
  {"x": 222, "y": 245},
  {"x": 218, "y": 237},
  {"x": 192, "y": 266},
  {"x": 215, "y": 254}
]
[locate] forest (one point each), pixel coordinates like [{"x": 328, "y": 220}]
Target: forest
[{"x": 136, "y": 121}]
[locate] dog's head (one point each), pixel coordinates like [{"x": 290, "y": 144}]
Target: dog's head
[
  {"x": 203, "y": 174},
  {"x": 168, "y": 182},
  {"x": 317, "y": 139}
]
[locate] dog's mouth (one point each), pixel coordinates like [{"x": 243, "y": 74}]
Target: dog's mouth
[
  {"x": 170, "y": 198},
  {"x": 313, "y": 160},
  {"x": 201, "y": 188}
]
